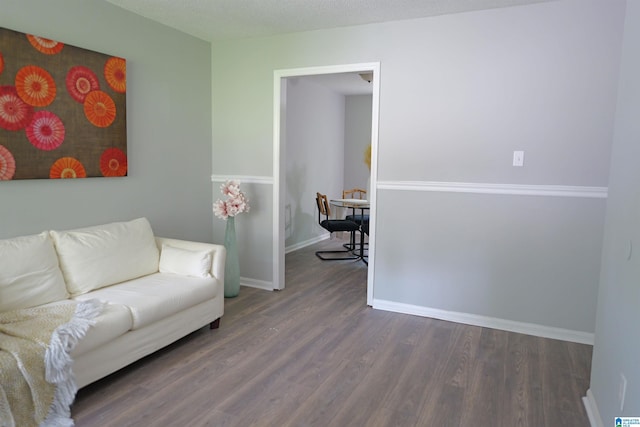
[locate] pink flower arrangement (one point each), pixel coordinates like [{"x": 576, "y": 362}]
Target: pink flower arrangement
[{"x": 234, "y": 203}]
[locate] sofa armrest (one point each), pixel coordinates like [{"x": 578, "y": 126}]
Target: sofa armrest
[{"x": 218, "y": 257}]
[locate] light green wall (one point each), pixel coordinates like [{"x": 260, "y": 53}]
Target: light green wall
[{"x": 168, "y": 126}]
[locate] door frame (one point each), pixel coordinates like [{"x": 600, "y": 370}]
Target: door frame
[{"x": 279, "y": 171}]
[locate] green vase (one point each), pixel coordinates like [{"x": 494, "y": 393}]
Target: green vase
[{"x": 232, "y": 264}]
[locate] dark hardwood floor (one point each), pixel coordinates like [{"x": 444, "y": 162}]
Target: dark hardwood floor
[{"x": 315, "y": 355}]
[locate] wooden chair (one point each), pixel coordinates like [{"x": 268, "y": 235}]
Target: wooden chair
[
  {"x": 360, "y": 219},
  {"x": 332, "y": 226},
  {"x": 354, "y": 193}
]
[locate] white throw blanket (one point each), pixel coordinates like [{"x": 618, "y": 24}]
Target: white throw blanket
[{"x": 37, "y": 385}]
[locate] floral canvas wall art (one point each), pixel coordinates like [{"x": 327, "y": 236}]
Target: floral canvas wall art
[{"x": 62, "y": 110}]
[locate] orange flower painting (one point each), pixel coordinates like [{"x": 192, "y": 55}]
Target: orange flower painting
[
  {"x": 46, "y": 46},
  {"x": 35, "y": 86},
  {"x": 115, "y": 72},
  {"x": 62, "y": 110},
  {"x": 99, "y": 108},
  {"x": 67, "y": 167}
]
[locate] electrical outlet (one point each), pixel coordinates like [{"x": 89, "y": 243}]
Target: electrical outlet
[
  {"x": 622, "y": 391},
  {"x": 518, "y": 158}
]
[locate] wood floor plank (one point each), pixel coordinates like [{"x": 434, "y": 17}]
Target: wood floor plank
[
  {"x": 376, "y": 384},
  {"x": 417, "y": 382},
  {"x": 560, "y": 383},
  {"x": 322, "y": 406},
  {"x": 314, "y": 354},
  {"x": 487, "y": 379},
  {"x": 522, "y": 382}
]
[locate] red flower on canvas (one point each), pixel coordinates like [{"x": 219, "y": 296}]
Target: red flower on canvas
[
  {"x": 46, "y": 131},
  {"x": 67, "y": 167},
  {"x": 7, "y": 164},
  {"x": 99, "y": 108},
  {"x": 113, "y": 162},
  {"x": 15, "y": 114},
  {"x": 35, "y": 86},
  {"x": 80, "y": 81},
  {"x": 115, "y": 73},
  {"x": 46, "y": 46}
]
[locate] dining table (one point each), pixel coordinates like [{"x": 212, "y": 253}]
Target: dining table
[{"x": 354, "y": 204}]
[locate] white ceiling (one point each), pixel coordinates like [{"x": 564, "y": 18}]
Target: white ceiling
[{"x": 213, "y": 20}]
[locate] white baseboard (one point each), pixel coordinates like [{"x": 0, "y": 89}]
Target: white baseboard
[
  {"x": 487, "y": 322},
  {"x": 253, "y": 283},
  {"x": 591, "y": 407},
  {"x": 306, "y": 243}
]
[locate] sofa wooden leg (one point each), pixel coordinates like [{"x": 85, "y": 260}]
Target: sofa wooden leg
[{"x": 215, "y": 324}]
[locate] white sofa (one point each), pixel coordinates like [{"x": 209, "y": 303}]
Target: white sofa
[{"x": 156, "y": 290}]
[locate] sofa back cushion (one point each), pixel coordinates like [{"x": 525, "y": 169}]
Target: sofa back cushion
[
  {"x": 29, "y": 273},
  {"x": 94, "y": 257}
]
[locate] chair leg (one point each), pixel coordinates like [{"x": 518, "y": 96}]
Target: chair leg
[
  {"x": 354, "y": 246},
  {"x": 353, "y": 256},
  {"x": 362, "y": 256},
  {"x": 320, "y": 255},
  {"x": 352, "y": 242}
]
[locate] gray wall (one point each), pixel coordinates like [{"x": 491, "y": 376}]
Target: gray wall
[
  {"x": 458, "y": 94},
  {"x": 168, "y": 126},
  {"x": 502, "y": 256},
  {"x": 617, "y": 347},
  {"x": 357, "y": 136},
  {"x": 314, "y": 148}
]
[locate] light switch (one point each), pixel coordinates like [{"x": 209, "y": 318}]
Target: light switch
[{"x": 518, "y": 158}]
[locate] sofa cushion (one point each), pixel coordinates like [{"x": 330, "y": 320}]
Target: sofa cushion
[
  {"x": 185, "y": 262},
  {"x": 156, "y": 296},
  {"x": 29, "y": 273},
  {"x": 93, "y": 257},
  {"x": 115, "y": 320}
]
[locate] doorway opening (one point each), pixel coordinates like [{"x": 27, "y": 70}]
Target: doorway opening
[{"x": 371, "y": 72}]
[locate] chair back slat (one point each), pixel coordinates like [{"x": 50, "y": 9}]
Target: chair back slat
[
  {"x": 323, "y": 205},
  {"x": 354, "y": 193}
]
